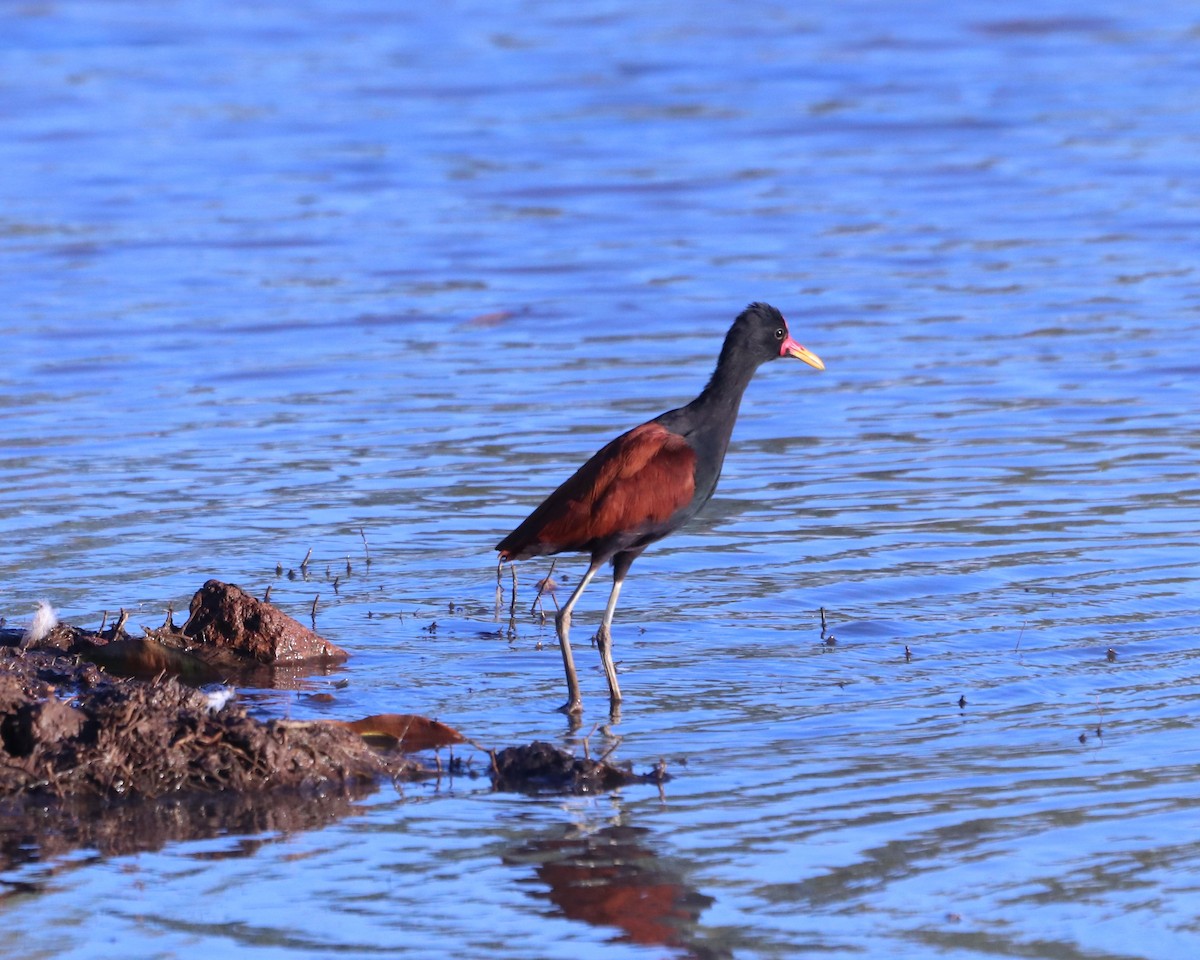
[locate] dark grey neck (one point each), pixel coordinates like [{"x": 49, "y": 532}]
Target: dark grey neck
[
  {"x": 719, "y": 401},
  {"x": 707, "y": 422}
]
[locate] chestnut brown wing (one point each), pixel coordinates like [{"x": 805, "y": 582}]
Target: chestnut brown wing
[{"x": 633, "y": 484}]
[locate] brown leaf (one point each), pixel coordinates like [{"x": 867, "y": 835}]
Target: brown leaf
[
  {"x": 145, "y": 657},
  {"x": 411, "y": 732}
]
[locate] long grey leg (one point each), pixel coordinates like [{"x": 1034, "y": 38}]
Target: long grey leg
[
  {"x": 562, "y": 624},
  {"x": 621, "y": 564},
  {"x": 604, "y": 642}
]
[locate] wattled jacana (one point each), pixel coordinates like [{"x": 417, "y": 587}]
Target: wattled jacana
[{"x": 649, "y": 482}]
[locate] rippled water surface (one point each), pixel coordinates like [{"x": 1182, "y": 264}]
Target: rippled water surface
[{"x": 282, "y": 272}]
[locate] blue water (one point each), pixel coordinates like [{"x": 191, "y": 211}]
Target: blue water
[{"x": 280, "y": 272}]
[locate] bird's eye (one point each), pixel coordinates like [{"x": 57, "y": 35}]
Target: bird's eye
[{"x": 779, "y": 332}]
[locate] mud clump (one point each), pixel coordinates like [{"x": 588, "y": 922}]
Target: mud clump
[
  {"x": 542, "y": 767},
  {"x": 103, "y": 715},
  {"x": 225, "y": 616},
  {"x": 69, "y": 729}
]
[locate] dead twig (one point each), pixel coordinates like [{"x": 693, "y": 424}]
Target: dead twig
[
  {"x": 616, "y": 743},
  {"x": 499, "y": 588},
  {"x": 587, "y": 753},
  {"x": 545, "y": 585},
  {"x": 512, "y": 607}
]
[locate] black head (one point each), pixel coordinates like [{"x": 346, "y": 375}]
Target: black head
[{"x": 760, "y": 334}]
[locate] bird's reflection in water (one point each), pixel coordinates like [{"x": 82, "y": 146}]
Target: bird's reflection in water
[{"x": 611, "y": 878}]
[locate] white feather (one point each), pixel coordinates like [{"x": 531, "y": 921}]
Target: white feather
[
  {"x": 44, "y": 620},
  {"x": 218, "y": 696}
]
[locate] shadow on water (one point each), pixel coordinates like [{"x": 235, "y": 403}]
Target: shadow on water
[{"x": 50, "y": 835}]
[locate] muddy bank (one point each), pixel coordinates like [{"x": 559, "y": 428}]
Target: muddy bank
[
  {"x": 101, "y": 713},
  {"x": 104, "y": 714},
  {"x": 109, "y": 741},
  {"x": 229, "y": 636},
  {"x": 72, "y": 729}
]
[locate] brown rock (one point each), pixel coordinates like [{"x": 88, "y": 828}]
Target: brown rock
[{"x": 224, "y": 615}]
